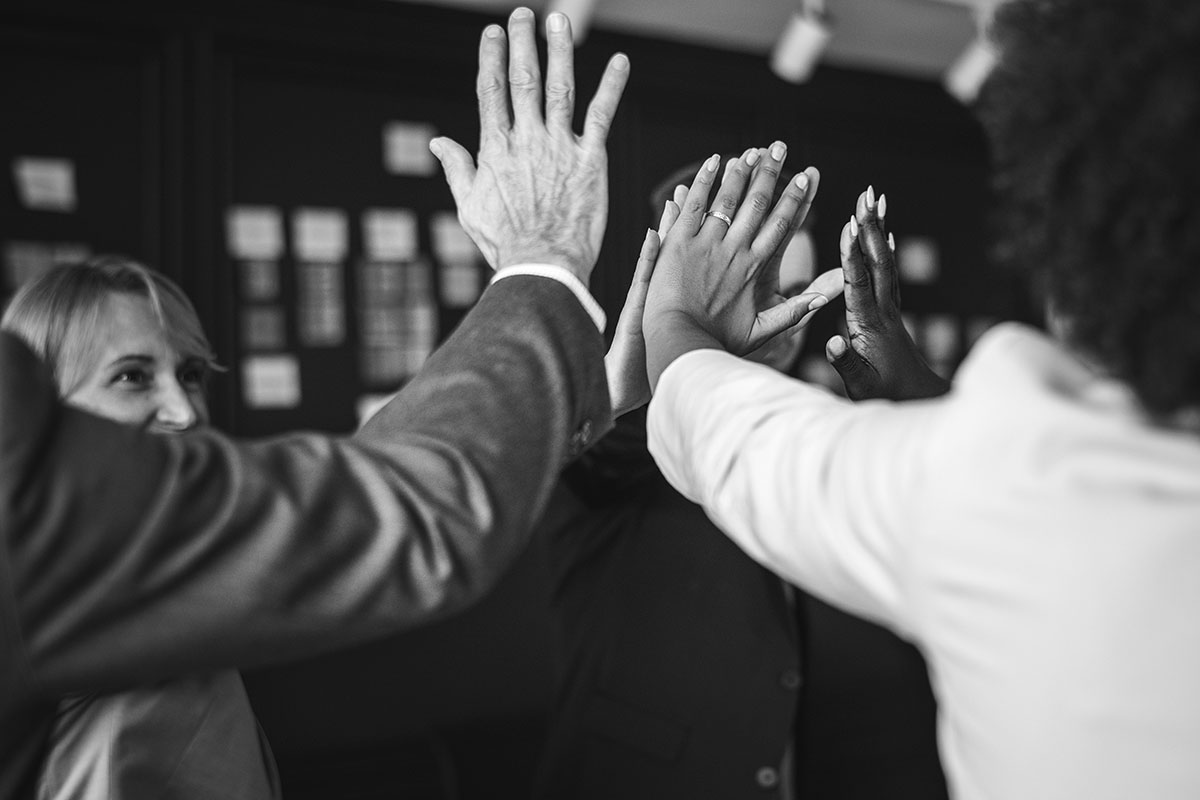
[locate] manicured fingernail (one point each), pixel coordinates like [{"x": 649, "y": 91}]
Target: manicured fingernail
[
  {"x": 556, "y": 22},
  {"x": 817, "y": 302},
  {"x": 493, "y": 31},
  {"x": 882, "y": 206},
  {"x": 892, "y": 242},
  {"x": 521, "y": 13},
  {"x": 853, "y": 227},
  {"x": 752, "y": 156},
  {"x": 778, "y": 151},
  {"x": 713, "y": 161},
  {"x": 802, "y": 182},
  {"x": 870, "y": 198}
]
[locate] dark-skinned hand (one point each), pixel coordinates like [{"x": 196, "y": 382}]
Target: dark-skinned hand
[{"x": 880, "y": 360}]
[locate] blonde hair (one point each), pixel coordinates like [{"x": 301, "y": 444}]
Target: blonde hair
[{"x": 58, "y": 312}]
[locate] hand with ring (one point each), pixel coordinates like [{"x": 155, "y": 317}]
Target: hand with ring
[{"x": 707, "y": 285}]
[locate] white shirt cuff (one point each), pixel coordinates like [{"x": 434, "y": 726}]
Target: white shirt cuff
[{"x": 563, "y": 276}]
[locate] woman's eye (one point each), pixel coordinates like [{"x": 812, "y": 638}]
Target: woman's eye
[
  {"x": 132, "y": 377},
  {"x": 193, "y": 377}
]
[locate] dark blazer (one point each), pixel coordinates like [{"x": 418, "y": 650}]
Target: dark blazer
[
  {"x": 684, "y": 671},
  {"x": 126, "y": 558}
]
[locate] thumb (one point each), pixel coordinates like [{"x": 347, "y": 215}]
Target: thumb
[
  {"x": 775, "y": 320},
  {"x": 457, "y": 165},
  {"x": 856, "y": 373}
]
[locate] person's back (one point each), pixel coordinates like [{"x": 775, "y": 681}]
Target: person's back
[{"x": 1061, "y": 621}]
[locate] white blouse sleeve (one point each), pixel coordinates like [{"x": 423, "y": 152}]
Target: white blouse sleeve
[{"x": 822, "y": 491}]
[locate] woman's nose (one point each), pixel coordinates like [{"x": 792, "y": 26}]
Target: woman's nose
[{"x": 175, "y": 412}]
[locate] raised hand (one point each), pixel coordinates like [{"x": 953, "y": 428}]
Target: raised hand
[
  {"x": 539, "y": 192},
  {"x": 880, "y": 360},
  {"x": 706, "y": 284},
  {"x": 625, "y": 362}
]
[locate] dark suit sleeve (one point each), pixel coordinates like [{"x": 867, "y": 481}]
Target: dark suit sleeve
[{"x": 131, "y": 557}]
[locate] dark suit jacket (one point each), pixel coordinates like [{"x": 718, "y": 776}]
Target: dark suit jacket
[
  {"x": 684, "y": 672},
  {"x": 126, "y": 558}
]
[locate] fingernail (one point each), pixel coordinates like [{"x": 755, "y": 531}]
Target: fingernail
[
  {"x": 802, "y": 182},
  {"x": 882, "y": 206},
  {"x": 870, "y": 198},
  {"x": 836, "y": 347},
  {"x": 521, "y": 13},
  {"x": 492, "y": 31},
  {"x": 620, "y": 62},
  {"x": 556, "y": 22},
  {"x": 713, "y": 161},
  {"x": 752, "y": 156},
  {"x": 853, "y": 227},
  {"x": 778, "y": 151},
  {"x": 817, "y": 302},
  {"x": 892, "y": 242},
  {"x": 435, "y": 147}
]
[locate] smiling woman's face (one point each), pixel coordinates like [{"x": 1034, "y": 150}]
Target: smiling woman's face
[{"x": 138, "y": 376}]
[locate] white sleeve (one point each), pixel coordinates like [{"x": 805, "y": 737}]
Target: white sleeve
[{"x": 824, "y": 492}]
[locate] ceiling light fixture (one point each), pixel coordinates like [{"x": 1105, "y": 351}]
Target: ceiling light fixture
[
  {"x": 966, "y": 75},
  {"x": 799, "y": 48}
]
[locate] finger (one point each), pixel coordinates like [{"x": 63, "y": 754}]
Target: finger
[
  {"x": 491, "y": 84},
  {"x": 524, "y": 74},
  {"x": 785, "y": 218},
  {"x": 857, "y": 374},
  {"x": 560, "y": 72},
  {"x": 630, "y": 320},
  {"x": 645, "y": 263},
  {"x": 603, "y": 107},
  {"x": 695, "y": 204},
  {"x": 457, "y": 165},
  {"x": 829, "y": 284},
  {"x": 791, "y": 313},
  {"x": 760, "y": 194},
  {"x": 729, "y": 195},
  {"x": 669, "y": 215},
  {"x": 861, "y": 308},
  {"x": 877, "y": 253}
]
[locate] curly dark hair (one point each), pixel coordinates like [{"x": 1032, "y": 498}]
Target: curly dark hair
[{"x": 1094, "y": 117}]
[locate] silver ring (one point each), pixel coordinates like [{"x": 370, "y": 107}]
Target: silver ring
[{"x": 723, "y": 217}]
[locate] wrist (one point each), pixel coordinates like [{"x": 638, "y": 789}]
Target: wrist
[
  {"x": 670, "y": 334},
  {"x": 574, "y": 262}
]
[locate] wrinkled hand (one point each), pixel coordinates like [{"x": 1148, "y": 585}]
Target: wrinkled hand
[
  {"x": 539, "y": 193},
  {"x": 708, "y": 273},
  {"x": 881, "y": 360}
]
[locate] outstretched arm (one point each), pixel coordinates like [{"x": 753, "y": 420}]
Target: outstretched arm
[{"x": 126, "y": 558}]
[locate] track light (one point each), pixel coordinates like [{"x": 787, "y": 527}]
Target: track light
[
  {"x": 966, "y": 75},
  {"x": 803, "y": 41}
]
